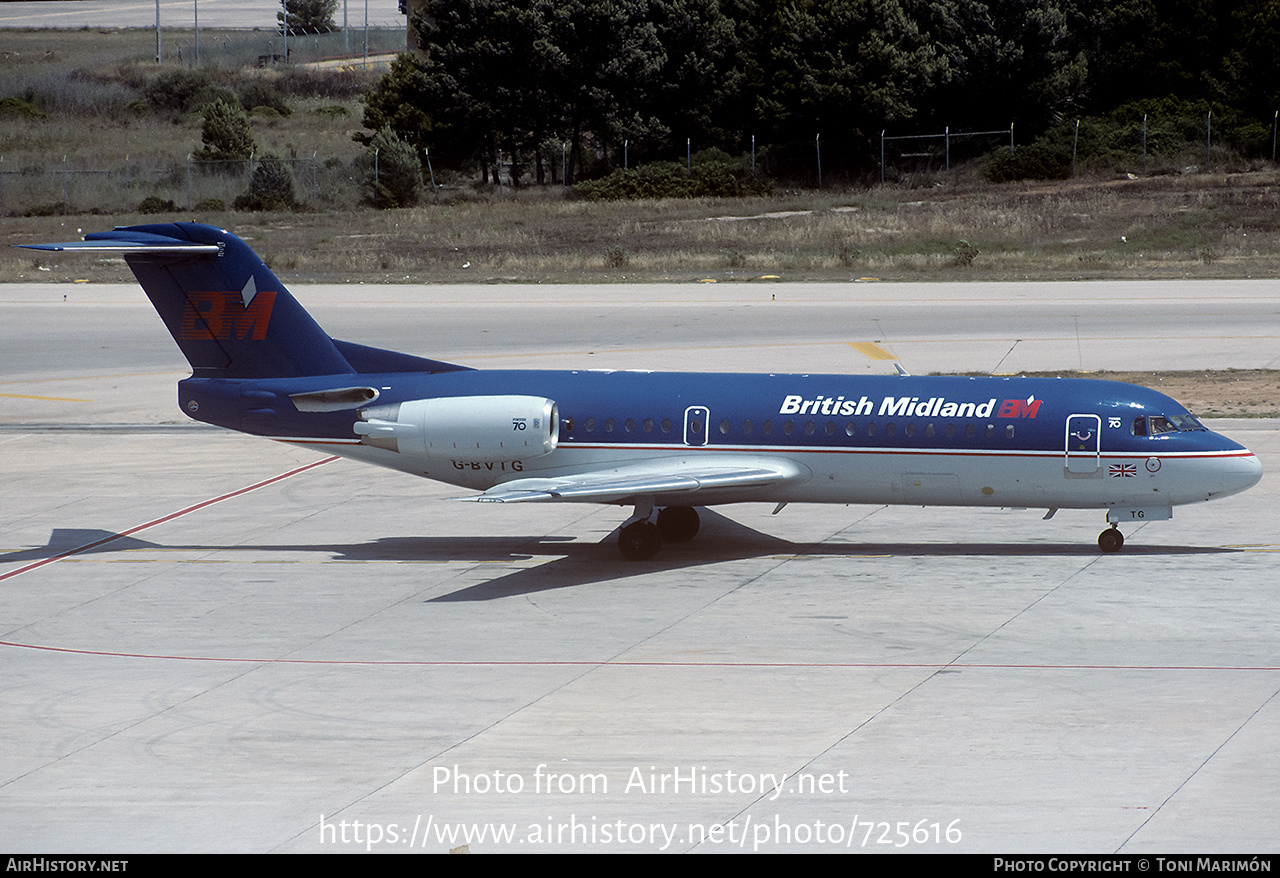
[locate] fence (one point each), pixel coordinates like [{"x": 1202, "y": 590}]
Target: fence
[
  {"x": 270, "y": 48},
  {"x": 190, "y": 184}
]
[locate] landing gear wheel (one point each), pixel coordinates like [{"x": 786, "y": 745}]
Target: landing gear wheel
[
  {"x": 639, "y": 541},
  {"x": 678, "y": 524},
  {"x": 1110, "y": 540}
]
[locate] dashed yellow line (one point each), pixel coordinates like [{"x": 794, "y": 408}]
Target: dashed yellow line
[
  {"x": 45, "y": 398},
  {"x": 871, "y": 351}
]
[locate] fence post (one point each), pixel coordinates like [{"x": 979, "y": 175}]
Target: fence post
[
  {"x": 1075, "y": 141},
  {"x": 1144, "y": 144},
  {"x": 817, "y": 146},
  {"x": 881, "y": 158},
  {"x": 1010, "y": 137},
  {"x": 188, "y": 182},
  {"x": 65, "y": 206},
  {"x": 1208, "y": 125}
]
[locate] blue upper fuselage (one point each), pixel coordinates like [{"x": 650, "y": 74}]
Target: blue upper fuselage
[{"x": 753, "y": 410}]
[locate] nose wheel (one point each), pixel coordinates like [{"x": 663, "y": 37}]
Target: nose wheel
[{"x": 1111, "y": 540}]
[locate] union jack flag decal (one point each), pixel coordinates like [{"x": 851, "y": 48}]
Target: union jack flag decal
[{"x": 1124, "y": 470}]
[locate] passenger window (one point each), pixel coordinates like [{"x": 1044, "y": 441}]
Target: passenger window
[
  {"x": 590, "y": 424},
  {"x": 648, "y": 425},
  {"x": 849, "y": 429},
  {"x": 1008, "y": 431},
  {"x": 746, "y": 428},
  {"x": 789, "y": 427},
  {"x": 809, "y": 427},
  {"x": 666, "y": 425},
  {"x": 991, "y": 431},
  {"x": 608, "y": 425},
  {"x": 630, "y": 425},
  {"x": 969, "y": 431},
  {"x": 724, "y": 428},
  {"x": 566, "y": 425},
  {"x": 767, "y": 427}
]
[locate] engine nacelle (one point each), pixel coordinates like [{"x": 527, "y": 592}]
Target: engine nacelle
[{"x": 484, "y": 429}]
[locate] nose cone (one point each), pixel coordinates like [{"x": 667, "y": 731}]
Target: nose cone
[{"x": 1238, "y": 473}]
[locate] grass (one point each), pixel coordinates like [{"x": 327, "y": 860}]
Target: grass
[
  {"x": 957, "y": 227},
  {"x": 1157, "y": 228}
]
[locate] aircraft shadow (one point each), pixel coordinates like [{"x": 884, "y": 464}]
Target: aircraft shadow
[{"x": 572, "y": 564}]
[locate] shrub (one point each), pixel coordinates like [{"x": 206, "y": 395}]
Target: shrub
[
  {"x": 1032, "y": 162},
  {"x": 226, "y": 133},
  {"x": 270, "y": 188},
  {"x": 211, "y": 205},
  {"x": 156, "y": 204},
  {"x": 393, "y": 172},
  {"x": 16, "y": 108},
  {"x": 183, "y": 91},
  {"x": 714, "y": 174},
  {"x": 259, "y": 93}
]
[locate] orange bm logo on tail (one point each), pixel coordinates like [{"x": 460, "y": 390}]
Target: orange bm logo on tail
[{"x": 223, "y": 316}]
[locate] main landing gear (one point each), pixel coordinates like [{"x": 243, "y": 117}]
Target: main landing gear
[
  {"x": 641, "y": 537},
  {"x": 1111, "y": 540}
]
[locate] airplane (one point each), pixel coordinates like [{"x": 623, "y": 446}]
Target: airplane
[{"x": 663, "y": 443}]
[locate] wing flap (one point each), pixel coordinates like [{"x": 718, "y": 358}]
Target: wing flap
[{"x": 655, "y": 478}]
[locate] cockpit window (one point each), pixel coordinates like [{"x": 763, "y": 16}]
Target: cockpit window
[
  {"x": 1154, "y": 425},
  {"x": 1186, "y": 422}
]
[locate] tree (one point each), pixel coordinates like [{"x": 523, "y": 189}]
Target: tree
[
  {"x": 270, "y": 188},
  {"x": 307, "y": 16},
  {"x": 226, "y": 133},
  {"x": 394, "y": 172}
]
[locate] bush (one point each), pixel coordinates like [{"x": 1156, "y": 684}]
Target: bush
[
  {"x": 714, "y": 174},
  {"x": 226, "y": 133},
  {"x": 393, "y": 172},
  {"x": 1032, "y": 162},
  {"x": 16, "y": 108},
  {"x": 182, "y": 91},
  {"x": 156, "y": 204},
  {"x": 271, "y": 187},
  {"x": 259, "y": 93},
  {"x": 210, "y": 205}
]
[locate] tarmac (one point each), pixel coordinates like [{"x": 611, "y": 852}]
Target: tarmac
[{"x": 210, "y": 642}]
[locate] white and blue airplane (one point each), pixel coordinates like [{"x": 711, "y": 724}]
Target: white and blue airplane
[{"x": 663, "y": 443}]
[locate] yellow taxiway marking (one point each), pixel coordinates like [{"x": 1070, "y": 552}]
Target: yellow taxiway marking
[
  {"x": 871, "y": 351},
  {"x": 45, "y": 398}
]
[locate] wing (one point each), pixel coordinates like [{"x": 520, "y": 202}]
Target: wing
[{"x": 694, "y": 482}]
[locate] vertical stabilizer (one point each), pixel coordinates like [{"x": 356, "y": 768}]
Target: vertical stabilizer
[{"x": 229, "y": 314}]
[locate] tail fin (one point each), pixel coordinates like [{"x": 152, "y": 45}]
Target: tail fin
[{"x": 229, "y": 314}]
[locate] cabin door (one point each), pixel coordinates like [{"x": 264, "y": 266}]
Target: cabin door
[
  {"x": 1083, "y": 444},
  {"x": 695, "y": 425}
]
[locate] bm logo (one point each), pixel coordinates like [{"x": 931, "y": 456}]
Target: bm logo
[
  {"x": 1019, "y": 408},
  {"x": 224, "y": 316}
]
